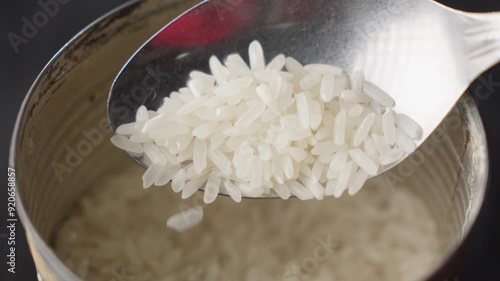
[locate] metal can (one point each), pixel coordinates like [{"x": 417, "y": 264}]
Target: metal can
[{"x": 61, "y": 140}]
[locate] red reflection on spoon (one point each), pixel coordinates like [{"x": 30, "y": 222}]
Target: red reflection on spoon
[{"x": 208, "y": 23}]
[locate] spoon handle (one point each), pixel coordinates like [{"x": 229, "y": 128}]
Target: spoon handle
[{"x": 481, "y": 34}]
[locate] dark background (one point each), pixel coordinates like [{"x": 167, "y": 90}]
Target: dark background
[{"x": 18, "y": 71}]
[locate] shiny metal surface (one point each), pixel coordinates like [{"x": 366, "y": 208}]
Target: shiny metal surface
[
  {"x": 423, "y": 54},
  {"x": 64, "y": 112}
]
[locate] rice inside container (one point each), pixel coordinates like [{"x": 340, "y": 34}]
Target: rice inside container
[{"x": 63, "y": 120}]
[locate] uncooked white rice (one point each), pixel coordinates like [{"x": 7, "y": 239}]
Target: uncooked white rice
[
  {"x": 118, "y": 231},
  {"x": 408, "y": 125},
  {"x": 389, "y": 127},
  {"x": 186, "y": 219},
  {"x": 253, "y": 128}
]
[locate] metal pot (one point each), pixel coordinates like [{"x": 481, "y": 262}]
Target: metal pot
[{"x": 61, "y": 141}]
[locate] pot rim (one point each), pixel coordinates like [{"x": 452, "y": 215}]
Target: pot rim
[{"x": 44, "y": 249}]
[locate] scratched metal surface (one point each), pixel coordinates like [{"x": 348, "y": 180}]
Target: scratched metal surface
[{"x": 482, "y": 257}]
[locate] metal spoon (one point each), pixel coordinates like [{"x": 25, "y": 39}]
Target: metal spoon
[{"x": 423, "y": 54}]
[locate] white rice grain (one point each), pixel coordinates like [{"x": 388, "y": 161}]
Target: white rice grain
[
  {"x": 220, "y": 72},
  {"x": 355, "y": 110},
  {"x": 141, "y": 138},
  {"x": 256, "y": 55},
  {"x": 326, "y": 147},
  {"x": 126, "y": 129},
  {"x": 282, "y": 190},
  {"x": 250, "y": 190},
  {"x": 316, "y": 188},
  {"x": 404, "y": 142},
  {"x": 339, "y": 85},
  {"x": 237, "y": 65},
  {"x": 317, "y": 171},
  {"x": 354, "y": 96},
  {"x": 357, "y": 81},
  {"x": 327, "y": 87},
  {"x": 185, "y": 219},
  {"x": 338, "y": 163},
  {"x": 197, "y": 86},
  {"x": 191, "y": 186},
  {"x": 233, "y": 87},
  {"x": 232, "y": 190},
  {"x": 263, "y": 76},
  {"x": 302, "y": 109},
  {"x": 142, "y": 114},
  {"x": 330, "y": 187},
  {"x": 339, "y": 128},
  {"x": 265, "y": 95},
  {"x": 199, "y": 155},
  {"x": 256, "y": 171},
  {"x": 357, "y": 182},
  {"x": 363, "y": 129},
  {"x": 409, "y": 126},
  {"x": 391, "y": 157},
  {"x": 288, "y": 171},
  {"x": 205, "y": 130},
  {"x": 127, "y": 145},
  {"x": 212, "y": 187},
  {"x": 169, "y": 171},
  {"x": 363, "y": 161},
  {"x": 193, "y": 106},
  {"x": 220, "y": 161},
  {"x": 299, "y": 190},
  {"x": 251, "y": 114},
  {"x": 277, "y": 166},
  {"x": 370, "y": 149},
  {"x": 323, "y": 69},
  {"x": 380, "y": 143},
  {"x": 277, "y": 63},
  {"x": 179, "y": 180},
  {"x": 298, "y": 154},
  {"x": 275, "y": 86},
  {"x": 389, "y": 126},
  {"x": 152, "y": 174},
  {"x": 315, "y": 114},
  {"x": 294, "y": 67},
  {"x": 322, "y": 133},
  {"x": 377, "y": 94},
  {"x": 210, "y": 79},
  {"x": 343, "y": 179},
  {"x": 153, "y": 152},
  {"x": 310, "y": 80}
]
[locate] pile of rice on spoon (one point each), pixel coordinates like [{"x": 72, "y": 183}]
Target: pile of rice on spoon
[{"x": 261, "y": 129}]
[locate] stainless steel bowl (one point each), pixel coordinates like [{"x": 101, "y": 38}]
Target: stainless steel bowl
[{"x": 61, "y": 141}]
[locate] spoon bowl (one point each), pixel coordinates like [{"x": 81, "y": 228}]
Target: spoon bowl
[{"x": 422, "y": 53}]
